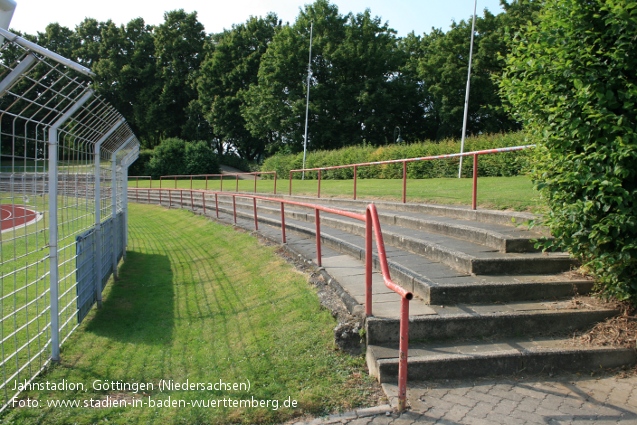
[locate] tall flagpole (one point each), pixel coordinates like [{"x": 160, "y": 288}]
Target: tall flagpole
[
  {"x": 307, "y": 99},
  {"x": 466, "y": 96}
]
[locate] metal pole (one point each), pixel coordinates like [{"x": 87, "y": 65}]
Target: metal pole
[
  {"x": 307, "y": 99},
  {"x": 466, "y": 96},
  {"x": 53, "y": 224}
]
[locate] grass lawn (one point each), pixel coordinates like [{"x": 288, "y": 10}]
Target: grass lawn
[
  {"x": 515, "y": 193},
  {"x": 201, "y": 303}
]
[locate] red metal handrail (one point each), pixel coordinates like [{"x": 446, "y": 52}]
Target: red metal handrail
[
  {"x": 474, "y": 154},
  {"x": 136, "y": 178},
  {"x": 372, "y": 223},
  {"x": 256, "y": 174}
]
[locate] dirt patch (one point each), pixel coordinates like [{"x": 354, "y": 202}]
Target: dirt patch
[{"x": 618, "y": 331}]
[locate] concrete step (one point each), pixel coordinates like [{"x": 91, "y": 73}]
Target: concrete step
[
  {"x": 501, "y": 237},
  {"x": 432, "y": 281},
  {"x": 478, "y": 358},
  {"x": 507, "y": 320},
  {"x": 460, "y": 254}
]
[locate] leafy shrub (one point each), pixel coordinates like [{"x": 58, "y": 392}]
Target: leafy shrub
[
  {"x": 176, "y": 157},
  {"x": 139, "y": 167},
  {"x": 570, "y": 79},
  {"x": 508, "y": 164}
]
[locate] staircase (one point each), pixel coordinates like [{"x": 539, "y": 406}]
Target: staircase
[{"x": 487, "y": 302}]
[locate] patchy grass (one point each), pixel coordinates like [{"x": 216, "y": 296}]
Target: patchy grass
[{"x": 198, "y": 302}]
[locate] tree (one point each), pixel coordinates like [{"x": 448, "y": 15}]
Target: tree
[
  {"x": 227, "y": 73},
  {"x": 354, "y": 86},
  {"x": 179, "y": 44},
  {"x": 571, "y": 80},
  {"x": 442, "y": 67}
]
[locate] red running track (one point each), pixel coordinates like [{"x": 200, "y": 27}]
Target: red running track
[{"x": 16, "y": 216}]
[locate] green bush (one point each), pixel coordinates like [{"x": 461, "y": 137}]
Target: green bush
[
  {"x": 507, "y": 164},
  {"x": 177, "y": 157},
  {"x": 139, "y": 167},
  {"x": 571, "y": 81}
]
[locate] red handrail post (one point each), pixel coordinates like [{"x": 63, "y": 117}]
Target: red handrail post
[
  {"x": 404, "y": 182},
  {"x": 275, "y": 182},
  {"x": 255, "y": 182},
  {"x": 170, "y": 198},
  {"x": 355, "y": 173},
  {"x": 181, "y": 198},
  {"x": 317, "y": 222},
  {"x": 256, "y": 220},
  {"x": 234, "y": 209},
  {"x": 319, "y": 184},
  {"x": 217, "y": 204},
  {"x": 206, "y": 182},
  {"x": 368, "y": 263},
  {"x": 237, "y": 179},
  {"x": 191, "y": 182},
  {"x": 192, "y": 201},
  {"x": 283, "y": 238},
  {"x": 203, "y": 200},
  {"x": 403, "y": 353},
  {"x": 474, "y": 197}
]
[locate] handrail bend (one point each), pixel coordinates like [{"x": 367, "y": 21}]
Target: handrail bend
[{"x": 372, "y": 224}]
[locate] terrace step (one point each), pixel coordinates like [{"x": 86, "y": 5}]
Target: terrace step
[
  {"x": 491, "y": 232},
  {"x": 462, "y": 323},
  {"x": 510, "y": 320},
  {"x": 463, "y": 255},
  {"x": 477, "y": 358}
]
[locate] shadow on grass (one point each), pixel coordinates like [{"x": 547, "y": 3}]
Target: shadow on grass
[{"x": 139, "y": 306}]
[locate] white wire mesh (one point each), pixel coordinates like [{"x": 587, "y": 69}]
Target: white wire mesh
[{"x": 40, "y": 91}]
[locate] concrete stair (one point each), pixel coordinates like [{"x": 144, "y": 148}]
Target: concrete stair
[{"x": 487, "y": 301}]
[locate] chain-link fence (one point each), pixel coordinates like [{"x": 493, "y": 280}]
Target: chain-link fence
[{"x": 64, "y": 157}]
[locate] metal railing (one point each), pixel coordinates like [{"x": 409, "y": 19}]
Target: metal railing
[
  {"x": 220, "y": 177},
  {"x": 199, "y": 199},
  {"x": 404, "y": 162},
  {"x": 65, "y": 155},
  {"x": 142, "y": 178}
]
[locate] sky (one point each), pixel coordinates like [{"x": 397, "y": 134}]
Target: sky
[{"x": 404, "y": 16}]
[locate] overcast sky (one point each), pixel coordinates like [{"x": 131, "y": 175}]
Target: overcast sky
[{"x": 404, "y": 16}]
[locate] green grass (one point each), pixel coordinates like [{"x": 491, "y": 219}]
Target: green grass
[
  {"x": 201, "y": 302},
  {"x": 515, "y": 193}
]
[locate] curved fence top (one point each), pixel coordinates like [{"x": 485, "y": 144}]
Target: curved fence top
[{"x": 40, "y": 90}]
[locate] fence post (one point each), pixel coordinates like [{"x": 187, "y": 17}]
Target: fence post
[
  {"x": 283, "y": 238},
  {"x": 255, "y": 182},
  {"x": 275, "y": 182},
  {"x": 114, "y": 203},
  {"x": 317, "y": 220},
  {"x": 53, "y": 224},
  {"x": 256, "y": 220},
  {"x": 355, "y": 178},
  {"x": 319, "y": 184},
  {"x": 290, "y": 192},
  {"x": 474, "y": 197},
  {"x": 404, "y": 182}
]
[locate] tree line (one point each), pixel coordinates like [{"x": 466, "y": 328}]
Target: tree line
[{"x": 243, "y": 90}]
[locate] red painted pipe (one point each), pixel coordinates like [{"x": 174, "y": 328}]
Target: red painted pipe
[
  {"x": 234, "y": 209},
  {"x": 317, "y": 221},
  {"x": 319, "y": 184},
  {"x": 404, "y": 182},
  {"x": 368, "y": 263},
  {"x": 403, "y": 348},
  {"x": 203, "y": 199},
  {"x": 283, "y": 238},
  {"x": 355, "y": 178},
  {"x": 256, "y": 220},
  {"x": 474, "y": 197}
]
